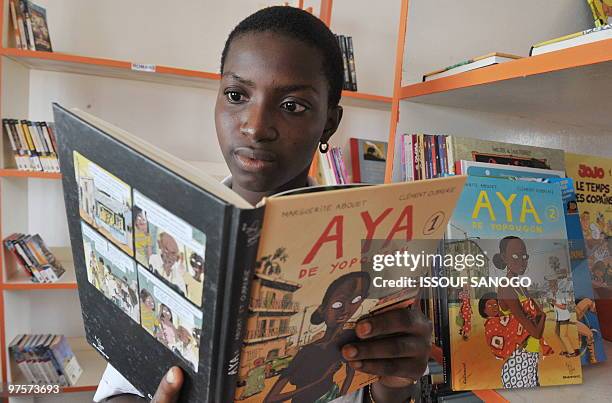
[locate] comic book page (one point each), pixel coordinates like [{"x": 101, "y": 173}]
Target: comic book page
[
  {"x": 517, "y": 306},
  {"x": 313, "y": 284}
]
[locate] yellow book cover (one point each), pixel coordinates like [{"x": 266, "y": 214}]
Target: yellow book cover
[
  {"x": 311, "y": 287},
  {"x": 593, "y": 182}
]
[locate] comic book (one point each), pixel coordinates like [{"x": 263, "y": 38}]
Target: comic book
[
  {"x": 593, "y": 183},
  {"x": 591, "y": 341},
  {"x": 252, "y": 302},
  {"x": 515, "y": 304}
]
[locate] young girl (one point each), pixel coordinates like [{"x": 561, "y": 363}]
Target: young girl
[{"x": 281, "y": 82}]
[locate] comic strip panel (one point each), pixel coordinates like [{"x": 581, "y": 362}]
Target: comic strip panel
[
  {"x": 169, "y": 247},
  {"x": 169, "y": 318},
  {"x": 111, "y": 271},
  {"x": 105, "y": 202}
]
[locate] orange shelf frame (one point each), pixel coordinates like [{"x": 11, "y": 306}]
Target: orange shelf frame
[
  {"x": 15, "y": 173},
  {"x": 578, "y": 56}
]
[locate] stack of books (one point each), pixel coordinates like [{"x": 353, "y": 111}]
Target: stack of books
[
  {"x": 45, "y": 359},
  {"x": 348, "y": 60},
  {"x": 33, "y": 145},
  {"x": 331, "y": 169},
  {"x": 29, "y": 26},
  {"x": 471, "y": 64},
  {"x": 33, "y": 256},
  {"x": 579, "y": 38}
]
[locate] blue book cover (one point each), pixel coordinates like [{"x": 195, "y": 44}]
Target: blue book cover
[{"x": 525, "y": 332}]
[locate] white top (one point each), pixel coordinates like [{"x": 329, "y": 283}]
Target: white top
[
  {"x": 562, "y": 314},
  {"x": 113, "y": 383}
]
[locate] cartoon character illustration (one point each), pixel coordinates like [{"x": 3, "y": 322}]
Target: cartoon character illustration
[
  {"x": 521, "y": 368},
  {"x": 584, "y": 308},
  {"x": 166, "y": 333},
  {"x": 465, "y": 313},
  {"x": 560, "y": 300},
  {"x": 312, "y": 369},
  {"x": 185, "y": 346},
  {"x": 148, "y": 319},
  {"x": 168, "y": 262},
  {"x": 142, "y": 236},
  {"x": 194, "y": 277},
  {"x": 572, "y": 207}
]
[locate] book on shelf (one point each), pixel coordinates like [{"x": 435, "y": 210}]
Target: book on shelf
[
  {"x": 222, "y": 290},
  {"x": 579, "y": 38},
  {"x": 28, "y": 23},
  {"x": 426, "y": 156},
  {"x": 33, "y": 145},
  {"x": 348, "y": 61},
  {"x": 368, "y": 160},
  {"x": 593, "y": 183},
  {"x": 518, "y": 230},
  {"x": 34, "y": 258},
  {"x": 602, "y": 11},
  {"x": 331, "y": 169},
  {"x": 592, "y": 349},
  {"x": 471, "y": 64},
  {"x": 45, "y": 359}
]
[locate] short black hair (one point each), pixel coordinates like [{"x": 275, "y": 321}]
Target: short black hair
[
  {"x": 482, "y": 304},
  {"x": 303, "y": 26}
]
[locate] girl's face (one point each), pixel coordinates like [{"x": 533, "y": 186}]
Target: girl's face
[
  {"x": 516, "y": 256},
  {"x": 343, "y": 303},
  {"x": 150, "y": 303},
  {"x": 491, "y": 308},
  {"x": 272, "y": 110},
  {"x": 165, "y": 314}
]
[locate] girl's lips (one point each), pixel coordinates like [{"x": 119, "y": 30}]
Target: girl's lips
[{"x": 253, "y": 160}]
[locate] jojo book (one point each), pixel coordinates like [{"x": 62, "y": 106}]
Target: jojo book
[
  {"x": 253, "y": 302},
  {"x": 525, "y": 331}
]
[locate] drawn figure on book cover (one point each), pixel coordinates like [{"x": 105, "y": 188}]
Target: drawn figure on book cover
[
  {"x": 313, "y": 368},
  {"x": 148, "y": 317},
  {"x": 166, "y": 333},
  {"x": 465, "y": 313},
  {"x": 143, "y": 241},
  {"x": 585, "y": 313},
  {"x": 520, "y": 370},
  {"x": 560, "y": 298}
]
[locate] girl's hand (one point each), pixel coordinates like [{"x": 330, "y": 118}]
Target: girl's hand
[{"x": 394, "y": 345}]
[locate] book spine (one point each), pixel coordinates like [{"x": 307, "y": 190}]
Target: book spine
[
  {"x": 343, "y": 166},
  {"x": 402, "y": 153},
  {"x": 243, "y": 243},
  {"x": 9, "y": 134},
  {"x": 347, "y": 78},
  {"x": 354, "y": 143},
  {"x": 450, "y": 154},
  {"x": 28, "y": 23},
  {"x": 21, "y": 25},
  {"x": 415, "y": 157},
  {"x": 15, "y": 23},
  {"x": 351, "y": 60},
  {"x": 422, "y": 162}
]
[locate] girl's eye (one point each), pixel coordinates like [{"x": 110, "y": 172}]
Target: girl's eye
[
  {"x": 356, "y": 299},
  {"x": 514, "y": 256},
  {"x": 292, "y": 106},
  {"x": 337, "y": 305},
  {"x": 234, "y": 96}
]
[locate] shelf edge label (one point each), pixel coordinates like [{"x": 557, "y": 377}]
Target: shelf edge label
[{"x": 147, "y": 68}]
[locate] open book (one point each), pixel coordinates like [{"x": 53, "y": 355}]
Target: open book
[{"x": 174, "y": 268}]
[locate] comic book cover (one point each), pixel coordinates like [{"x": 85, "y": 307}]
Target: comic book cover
[
  {"x": 516, "y": 307},
  {"x": 368, "y": 160},
  {"x": 593, "y": 182},
  {"x": 602, "y": 11},
  {"x": 496, "y": 152},
  {"x": 310, "y": 288}
]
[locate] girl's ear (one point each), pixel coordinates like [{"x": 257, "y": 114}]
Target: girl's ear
[{"x": 334, "y": 116}]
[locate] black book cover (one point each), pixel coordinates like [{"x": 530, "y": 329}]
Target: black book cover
[{"x": 131, "y": 219}]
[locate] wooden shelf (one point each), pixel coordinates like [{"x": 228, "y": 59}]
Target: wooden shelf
[
  {"x": 568, "y": 86},
  {"x": 17, "y": 280},
  {"x": 62, "y": 62},
  {"x": 16, "y": 173},
  {"x": 67, "y": 63},
  {"x": 91, "y": 362}
]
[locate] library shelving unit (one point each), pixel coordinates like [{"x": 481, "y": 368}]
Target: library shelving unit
[{"x": 27, "y": 307}]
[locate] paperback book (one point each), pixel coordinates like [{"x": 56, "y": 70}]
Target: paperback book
[
  {"x": 221, "y": 290},
  {"x": 368, "y": 160},
  {"x": 526, "y": 331}
]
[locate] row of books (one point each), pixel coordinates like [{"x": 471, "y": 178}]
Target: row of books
[
  {"x": 45, "y": 359},
  {"x": 348, "y": 61},
  {"x": 29, "y": 26},
  {"x": 427, "y": 156},
  {"x": 33, "y": 145},
  {"x": 33, "y": 256},
  {"x": 331, "y": 169},
  {"x": 601, "y": 31}
]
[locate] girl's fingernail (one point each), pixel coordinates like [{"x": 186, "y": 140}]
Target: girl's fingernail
[
  {"x": 350, "y": 351},
  {"x": 364, "y": 328},
  {"x": 170, "y": 377}
]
